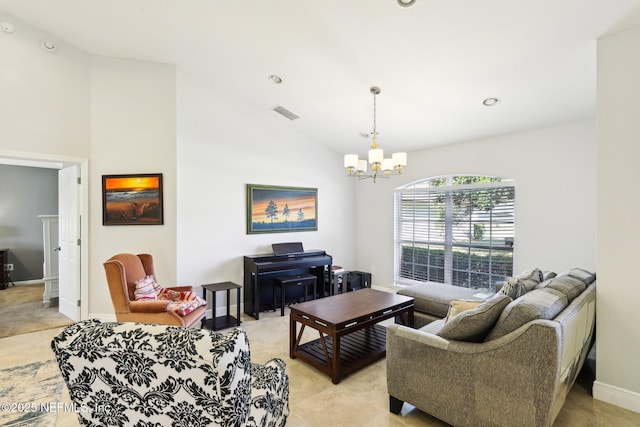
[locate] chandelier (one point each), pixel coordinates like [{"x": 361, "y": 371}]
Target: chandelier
[{"x": 380, "y": 167}]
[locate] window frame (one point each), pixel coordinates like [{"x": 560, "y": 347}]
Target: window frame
[{"x": 422, "y": 187}]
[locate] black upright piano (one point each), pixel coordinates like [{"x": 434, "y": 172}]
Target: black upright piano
[{"x": 260, "y": 270}]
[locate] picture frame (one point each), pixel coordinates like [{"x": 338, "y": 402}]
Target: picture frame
[
  {"x": 278, "y": 209},
  {"x": 132, "y": 199}
]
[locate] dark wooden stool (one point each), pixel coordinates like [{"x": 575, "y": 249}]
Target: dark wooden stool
[{"x": 284, "y": 281}]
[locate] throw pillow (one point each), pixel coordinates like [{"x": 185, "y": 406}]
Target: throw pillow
[
  {"x": 472, "y": 325},
  {"x": 520, "y": 285},
  {"x": 531, "y": 278},
  {"x": 513, "y": 288},
  {"x": 156, "y": 287},
  {"x": 145, "y": 290},
  {"x": 457, "y": 306},
  {"x": 538, "y": 304}
]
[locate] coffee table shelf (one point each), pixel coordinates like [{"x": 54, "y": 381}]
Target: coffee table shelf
[{"x": 357, "y": 350}]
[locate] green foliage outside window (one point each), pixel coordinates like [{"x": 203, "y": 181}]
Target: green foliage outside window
[{"x": 469, "y": 269}]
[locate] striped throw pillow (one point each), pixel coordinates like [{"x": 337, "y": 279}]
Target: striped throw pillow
[{"x": 145, "y": 290}]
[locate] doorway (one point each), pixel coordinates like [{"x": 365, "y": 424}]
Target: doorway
[{"x": 74, "y": 266}]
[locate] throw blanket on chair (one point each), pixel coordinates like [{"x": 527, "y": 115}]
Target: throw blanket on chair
[{"x": 180, "y": 302}]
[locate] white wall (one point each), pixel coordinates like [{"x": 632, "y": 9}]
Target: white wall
[
  {"x": 117, "y": 114},
  {"x": 618, "y": 345},
  {"x": 44, "y": 97},
  {"x": 133, "y": 130},
  {"x": 44, "y": 106},
  {"x": 223, "y": 145},
  {"x": 120, "y": 115},
  {"x": 555, "y": 175}
]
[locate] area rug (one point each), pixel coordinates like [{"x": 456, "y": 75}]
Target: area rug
[
  {"x": 21, "y": 311},
  {"x": 30, "y": 394}
]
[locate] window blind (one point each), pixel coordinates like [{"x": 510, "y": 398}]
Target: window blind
[{"x": 459, "y": 235}]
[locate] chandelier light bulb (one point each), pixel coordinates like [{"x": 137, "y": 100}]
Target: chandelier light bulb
[
  {"x": 376, "y": 155},
  {"x": 399, "y": 159},
  {"x": 350, "y": 160}
]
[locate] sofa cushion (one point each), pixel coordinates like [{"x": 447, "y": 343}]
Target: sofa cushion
[
  {"x": 567, "y": 285},
  {"x": 433, "y": 327},
  {"x": 433, "y": 298},
  {"x": 537, "y": 304},
  {"x": 472, "y": 325},
  {"x": 581, "y": 274},
  {"x": 543, "y": 284}
]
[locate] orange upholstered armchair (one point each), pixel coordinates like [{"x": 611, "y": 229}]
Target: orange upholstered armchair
[{"x": 123, "y": 270}]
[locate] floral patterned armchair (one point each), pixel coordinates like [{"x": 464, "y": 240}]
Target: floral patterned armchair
[{"x": 142, "y": 375}]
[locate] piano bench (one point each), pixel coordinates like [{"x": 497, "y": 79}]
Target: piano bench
[{"x": 284, "y": 281}]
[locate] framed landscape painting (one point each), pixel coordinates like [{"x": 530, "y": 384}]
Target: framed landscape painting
[
  {"x": 132, "y": 199},
  {"x": 272, "y": 209}
]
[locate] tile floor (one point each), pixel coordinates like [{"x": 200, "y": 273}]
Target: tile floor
[{"x": 359, "y": 400}]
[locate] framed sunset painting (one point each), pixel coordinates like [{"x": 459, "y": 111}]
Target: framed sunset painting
[
  {"x": 272, "y": 209},
  {"x": 132, "y": 199}
]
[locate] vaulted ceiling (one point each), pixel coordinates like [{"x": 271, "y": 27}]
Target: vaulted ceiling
[{"x": 435, "y": 62}]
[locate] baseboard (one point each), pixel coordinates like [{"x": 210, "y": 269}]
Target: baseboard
[
  {"x": 616, "y": 396},
  {"x": 27, "y": 282}
]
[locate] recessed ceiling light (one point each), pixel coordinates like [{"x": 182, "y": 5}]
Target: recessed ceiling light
[
  {"x": 48, "y": 45},
  {"x": 406, "y": 3},
  {"x": 489, "y": 102},
  {"x": 7, "y": 27},
  {"x": 276, "y": 79}
]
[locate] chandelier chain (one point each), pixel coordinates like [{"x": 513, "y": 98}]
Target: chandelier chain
[{"x": 375, "y": 132}]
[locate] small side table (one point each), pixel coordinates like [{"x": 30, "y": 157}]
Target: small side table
[{"x": 221, "y": 322}]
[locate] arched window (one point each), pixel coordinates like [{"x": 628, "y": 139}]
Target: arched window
[{"x": 455, "y": 229}]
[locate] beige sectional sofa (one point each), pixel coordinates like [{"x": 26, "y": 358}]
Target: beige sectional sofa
[{"x": 507, "y": 360}]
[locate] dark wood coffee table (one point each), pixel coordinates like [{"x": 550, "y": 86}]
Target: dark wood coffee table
[{"x": 349, "y": 337}]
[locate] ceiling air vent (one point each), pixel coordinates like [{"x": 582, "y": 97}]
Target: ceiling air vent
[{"x": 288, "y": 114}]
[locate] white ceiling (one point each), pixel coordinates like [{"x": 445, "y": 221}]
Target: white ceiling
[{"x": 434, "y": 62}]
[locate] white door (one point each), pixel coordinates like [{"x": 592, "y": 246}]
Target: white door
[{"x": 69, "y": 246}]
